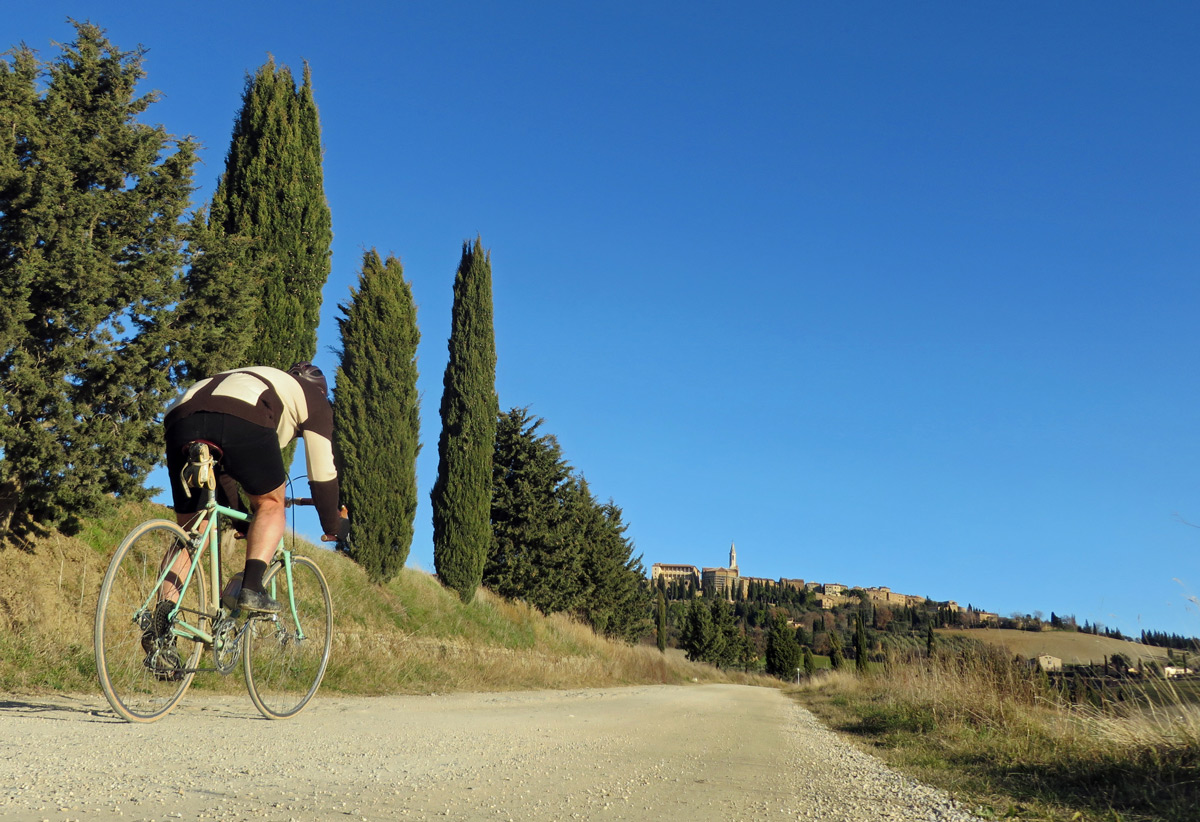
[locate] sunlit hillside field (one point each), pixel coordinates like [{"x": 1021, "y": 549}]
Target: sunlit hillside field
[
  {"x": 1072, "y": 647},
  {"x": 410, "y": 636}
]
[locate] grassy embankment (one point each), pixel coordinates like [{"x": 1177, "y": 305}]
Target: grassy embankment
[
  {"x": 410, "y": 636},
  {"x": 1003, "y": 739}
]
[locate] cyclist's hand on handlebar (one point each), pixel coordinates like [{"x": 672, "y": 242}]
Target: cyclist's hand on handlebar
[{"x": 343, "y": 528}]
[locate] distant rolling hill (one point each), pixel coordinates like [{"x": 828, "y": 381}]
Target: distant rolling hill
[{"x": 1072, "y": 647}]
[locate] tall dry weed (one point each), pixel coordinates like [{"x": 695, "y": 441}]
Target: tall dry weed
[{"x": 998, "y": 726}]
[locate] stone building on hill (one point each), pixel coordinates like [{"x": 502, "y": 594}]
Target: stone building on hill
[
  {"x": 723, "y": 580},
  {"x": 729, "y": 582},
  {"x": 726, "y": 580},
  {"x": 674, "y": 573}
]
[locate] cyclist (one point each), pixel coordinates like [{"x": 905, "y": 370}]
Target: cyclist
[{"x": 250, "y": 414}]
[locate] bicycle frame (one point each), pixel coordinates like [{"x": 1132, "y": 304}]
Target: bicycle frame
[
  {"x": 144, "y": 672},
  {"x": 207, "y": 537}
]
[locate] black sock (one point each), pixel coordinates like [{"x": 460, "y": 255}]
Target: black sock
[{"x": 253, "y": 575}]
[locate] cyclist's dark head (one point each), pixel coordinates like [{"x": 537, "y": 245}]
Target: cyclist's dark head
[{"x": 306, "y": 372}]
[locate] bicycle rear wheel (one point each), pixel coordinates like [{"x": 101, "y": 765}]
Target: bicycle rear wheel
[
  {"x": 145, "y": 668},
  {"x": 284, "y": 656}
]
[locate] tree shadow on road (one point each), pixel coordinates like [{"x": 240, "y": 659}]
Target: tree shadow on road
[{"x": 58, "y": 708}]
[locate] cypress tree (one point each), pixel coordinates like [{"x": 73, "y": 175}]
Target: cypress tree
[
  {"x": 836, "y": 658},
  {"x": 376, "y": 416},
  {"x": 810, "y": 664},
  {"x": 860, "y": 644},
  {"x": 461, "y": 495},
  {"x": 272, "y": 196},
  {"x": 92, "y": 255},
  {"x": 660, "y": 619}
]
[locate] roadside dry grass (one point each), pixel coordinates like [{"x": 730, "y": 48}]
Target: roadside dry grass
[
  {"x": 999, "y": 737},
  {"x": 410, "y": 636}
]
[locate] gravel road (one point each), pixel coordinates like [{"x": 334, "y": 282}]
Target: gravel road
[{"x": 704, "y": 752}]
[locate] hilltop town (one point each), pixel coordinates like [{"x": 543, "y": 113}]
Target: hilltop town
[{"x": 728, "y": 581}]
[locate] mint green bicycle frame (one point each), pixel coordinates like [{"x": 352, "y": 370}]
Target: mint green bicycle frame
[{"x": 208, "y": 538}]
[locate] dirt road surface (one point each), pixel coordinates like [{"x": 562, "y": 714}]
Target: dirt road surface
[{"x": 711, "y": 752}]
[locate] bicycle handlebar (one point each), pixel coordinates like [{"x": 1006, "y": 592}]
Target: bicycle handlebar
[{"x": 343, "y": 529}]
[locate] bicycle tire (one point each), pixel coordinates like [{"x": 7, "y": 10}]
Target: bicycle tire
[
  {"x": 283, "y": 672},
  {"x": 135, "y": 690}
]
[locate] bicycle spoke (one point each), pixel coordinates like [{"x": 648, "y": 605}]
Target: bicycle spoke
[{"x": 141, "y": 661}]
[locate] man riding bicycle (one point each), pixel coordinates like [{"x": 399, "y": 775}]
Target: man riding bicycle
[{"x": 248, "y": 416}]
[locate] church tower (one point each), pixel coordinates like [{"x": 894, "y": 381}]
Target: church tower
[{"x": 732, "y": 557}]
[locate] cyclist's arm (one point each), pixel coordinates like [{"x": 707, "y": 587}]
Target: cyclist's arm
[
  {"x": 316, "y": 427},
  {"x": 323, "y": 481}
]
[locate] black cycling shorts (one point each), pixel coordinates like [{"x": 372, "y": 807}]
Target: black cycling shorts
[{"x": 251, "y": 454}]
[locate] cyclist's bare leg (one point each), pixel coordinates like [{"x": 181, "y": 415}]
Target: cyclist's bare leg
[
  {"x": 266, "y": 530},
  {"x": 179, "y": 568},
  {"x": 268, "y": 525}
]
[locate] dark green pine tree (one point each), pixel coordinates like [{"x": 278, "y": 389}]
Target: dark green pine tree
[
  {"x": 21, "y": 115},
  {"x": 783, "y": 652},
  {"x": 697, "y": 637},
  {"x": 531, "y": 556},
  {"x": 614, "y": 599},
  {"x": 461, "y": 495},
  {"x": 92, "y": 254},
  {"x": 810, "y": 664},
  {"x": 376, "y": 416},
  {"x": 272, "y": 196},
  {"x": 729, "y": 635}
]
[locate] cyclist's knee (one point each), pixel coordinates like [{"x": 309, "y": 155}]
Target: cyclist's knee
[{"x": 269, "y": 502}]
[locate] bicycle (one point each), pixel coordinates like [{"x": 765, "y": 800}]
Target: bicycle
[{"x": 148, "y": 646}]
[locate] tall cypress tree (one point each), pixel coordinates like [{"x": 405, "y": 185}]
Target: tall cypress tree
[
  {"x": 376, "y": 416},
  {"x": 660, "y": 621},
  {"x": 91, "y": 259},
  {"x": 272, "y": 196},
  {"x": 836, "y": 657},
  {"x": 461, "y": 495},
  {"x": 860, "y": 644}
]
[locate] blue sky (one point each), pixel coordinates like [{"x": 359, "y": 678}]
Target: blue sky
[{"x": 887, "y": 294}]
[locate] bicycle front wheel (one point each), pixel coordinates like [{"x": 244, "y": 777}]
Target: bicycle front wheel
[
  {"x": 284, "y": 656},
  {"x": 145, "y": 666}
]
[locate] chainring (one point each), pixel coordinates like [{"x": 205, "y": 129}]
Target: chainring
[{"x": 227, "y": 644}]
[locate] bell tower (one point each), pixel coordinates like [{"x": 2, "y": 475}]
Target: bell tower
[{"x": 732, "y": 556}]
